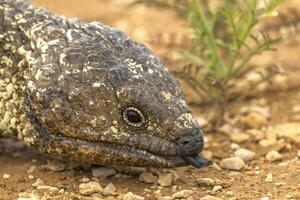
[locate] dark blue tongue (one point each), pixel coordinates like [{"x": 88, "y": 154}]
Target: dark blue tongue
[{"x": 197, "y": 161}]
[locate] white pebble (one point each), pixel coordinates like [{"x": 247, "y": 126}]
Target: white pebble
[
  {"x": 6, "y": 176},
  {"x": 182, "y": 194},
  {"x": 165, "y": 179},
  {"x": 233, "y": 163},
  {"x": 131, "y": 196},
  {"x": 244, "y": 154},
  {"x": 269, "y": 178},
  {"x": 273, "y": 156},
  {"x": 90, "y": 188}
]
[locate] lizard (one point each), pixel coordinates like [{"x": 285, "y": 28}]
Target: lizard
[{"x": 87, "y": 92}]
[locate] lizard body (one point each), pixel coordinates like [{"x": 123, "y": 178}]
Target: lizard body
[{"x": 87, "y": 92}]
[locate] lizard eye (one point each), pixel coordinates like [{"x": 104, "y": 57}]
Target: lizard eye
[{"x": 134, "y": 117}]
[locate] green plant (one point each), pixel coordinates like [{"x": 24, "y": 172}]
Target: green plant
[{"x": 223, "y": 46}]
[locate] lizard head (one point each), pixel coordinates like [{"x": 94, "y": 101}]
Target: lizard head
[{"x": 110, "y": 101}]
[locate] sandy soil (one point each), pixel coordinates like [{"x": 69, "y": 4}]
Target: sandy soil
[{"x": 165, "y": 32}]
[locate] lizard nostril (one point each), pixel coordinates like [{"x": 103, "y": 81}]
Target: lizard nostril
[{"x": 190, "y": 143}]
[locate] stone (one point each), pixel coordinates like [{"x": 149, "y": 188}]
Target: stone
[
  {"x": 216, "y": 167},
  {"x": 256, "y": 134},
  {"x": 6, "y": 176},
  {"x": 233, "y": 163},
  {"x": 90, "y": 188},
  {"x": 97, "y": 196},
  {"x": 103, "y": 172},
  {"x": 273, "y": 156},
  {"x": 244, "y": 154},
  {"x": 209, "y": 197},
  {"x": 205, "y": 181},
  {"x": 54, "y": 165},
  {"x": 84, "y": 180},
  {"x": 202, "y": 121},
  {"x": 110, "y": 189},
  {"x": 207, "y": 154},
  {"x": 280, "y": 183},
  {"x": 182, "y": 194},
  {"x": 269, "y": 178},
  {"x": 254, "y": 120},
  {"x": 38, "y": 183},
  {"x": 131, "y": 196},
  {"x": 265, "y": 198},
  {"x": 148, "y": 177},
  {"x": 165, "y": 179},
  {"x": 239, "y": 137},
  {"x": 235, "y": 146},
  {"x": 217, "y": 188},
  {"x": 289, "y": 131},
  {"x": 267, "y": 142},
  {"x": 52, "y": 190},
  {"x": 165, "y": 198}
]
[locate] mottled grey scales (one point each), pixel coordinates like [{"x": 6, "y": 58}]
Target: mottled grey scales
[{"x": 87, "y": 92}]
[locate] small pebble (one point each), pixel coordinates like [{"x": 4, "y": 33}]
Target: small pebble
[
  {"x": 280, "y": 183},
  {"x": 31, "y": 169},
  {"x": 234, "y": 146},
  {"x": 56, "y": 166},
  {"x": 233, "y": 163},
  {"x": 254, "y": 120},
  {"x": 216, "y": 167},
  {"x": 217, "y": 188},
  {"x": 244, "y": 154},
  {"x": 265, "y": 198},
  {"x": 84, "y": 180},
  {"x": 38, "y": 183},
  {"x": 103, "y": 172},
  {"x": 110, "y": 189},
  {"x": 165, "y": 179},
  {"x": 273, "y": 156},
  {"x": 30, "y": 177},
  {"x": 182, "y": 194},
  {"x": 269, "y": 178},
  {"x": 239, "y": 137},
  {"x": 131, "y": 196},
  {"x": 205, "y": 181},
  {"x": 209, "y": 197},
  {"x": 90, "y": 188},
  {"x": 165, "y": 198},
  {"x": 6, "y": 176},
  {"x": 148, "y": 177}
]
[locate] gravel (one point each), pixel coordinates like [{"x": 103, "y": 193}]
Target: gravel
[
  {"x": 148, "y": 177},
  {"x": 165, "y": 179},
  {"x": 244, "y": 154},
  {"x": 110, "y": 189},
  {"x": 103, "y": 172},
  {"x": 269, "y": 177},
  {"x": 254, "y": 120},
  {"x": 182, "y": 194},
  {"x": 90, "y": 188},
  {"x": 205, "y": 182},
  {"x": 209, "y": 197},
  {"x": 131, "y": 196},
  {"x": 233, "y": 163},
  {"x": 273, "y": 156}
]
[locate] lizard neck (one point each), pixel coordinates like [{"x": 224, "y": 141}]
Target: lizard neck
[{"x": 15, "y": 19}]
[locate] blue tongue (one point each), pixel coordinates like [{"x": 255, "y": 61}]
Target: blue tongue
[{"x": 197, "y": 161}]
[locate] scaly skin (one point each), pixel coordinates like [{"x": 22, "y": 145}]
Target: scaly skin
[{"x": 65, "y": 86}]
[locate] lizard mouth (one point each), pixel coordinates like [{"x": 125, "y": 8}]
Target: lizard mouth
[{"x": 103, "y": 153}]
